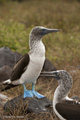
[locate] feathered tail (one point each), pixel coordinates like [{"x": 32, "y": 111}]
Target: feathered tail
[{"x": 6, "y": 82}]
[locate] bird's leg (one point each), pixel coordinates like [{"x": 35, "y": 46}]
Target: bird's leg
[
  {"x": 38, "y": 95},
  {"x": 27, "y": 93}
]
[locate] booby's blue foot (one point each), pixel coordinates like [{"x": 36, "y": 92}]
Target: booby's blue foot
[
  {"x": 31, "y": 93},
  {"x": 27, "y": 93},
  {"x": 38, "y": 95}
]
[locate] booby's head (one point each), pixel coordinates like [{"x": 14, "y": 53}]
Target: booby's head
[
  {"x": 64, "y": 78},
  {"x": 38, "y": 32},
  {"x": 65, "y": 84},
  {"x": 41, "y": 31}
]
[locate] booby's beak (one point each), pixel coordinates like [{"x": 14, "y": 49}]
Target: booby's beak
[
  {"x": 56, "y": 75},
  {"x": 46, "y": 31},
  {"x": 53, "y": 74}
]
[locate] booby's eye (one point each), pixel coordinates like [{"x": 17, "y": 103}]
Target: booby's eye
[
  {"x": 58, "y": 74},
  {"x": 44, "y": 29}
]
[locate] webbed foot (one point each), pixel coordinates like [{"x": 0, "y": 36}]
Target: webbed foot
[
  {"x": 28, "y": 93},
  {"x": 38, "y": 95}
]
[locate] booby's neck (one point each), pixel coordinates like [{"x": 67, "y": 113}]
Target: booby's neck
[
  {"x": 36, "y": 45},
  {"x": 62, "y": 91},
  {"x": 34, "y": 40}
]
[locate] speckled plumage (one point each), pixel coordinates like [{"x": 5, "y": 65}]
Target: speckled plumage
[{"x": 65, "y": 84}]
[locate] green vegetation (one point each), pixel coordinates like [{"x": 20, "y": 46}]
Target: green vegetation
[
  {"x": 13, "y": 35},
  {"x": 63, "y": 48}
]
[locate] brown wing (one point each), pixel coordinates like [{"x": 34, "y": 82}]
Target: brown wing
[
  {"x": 19, "y": 67},
  {"x": 69, "y": 111}
]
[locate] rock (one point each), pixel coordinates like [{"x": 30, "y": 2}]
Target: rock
[
  {"x": 27, "y": 105},
  {"x": 8, "y": 57},
  {"x": 5, "y": 72},
  {"x": 48, "y": 66}
]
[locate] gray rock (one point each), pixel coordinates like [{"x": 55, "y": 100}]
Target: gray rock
[
  {"x": 5, "y": 72},
  {"x": 48, "y": 66},
  {"x": 27, "y": 105},
  {"x": 8, "y": 57}
]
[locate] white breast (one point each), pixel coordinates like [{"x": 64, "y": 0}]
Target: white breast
[{"x": 34, "y": 68}]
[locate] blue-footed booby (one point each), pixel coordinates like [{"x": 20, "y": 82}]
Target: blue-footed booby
[
  {"x": 29, "y": 67},
  {"x": 64, "y": 107}
]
